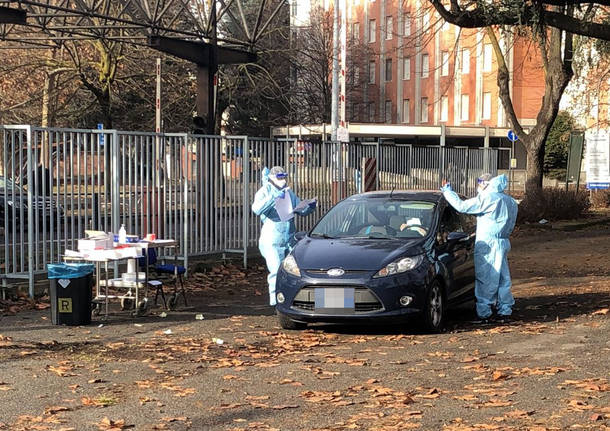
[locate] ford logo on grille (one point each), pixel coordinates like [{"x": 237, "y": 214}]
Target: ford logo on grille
[{"x": 335, "y": 272}]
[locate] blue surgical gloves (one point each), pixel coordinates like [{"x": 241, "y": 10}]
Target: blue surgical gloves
[{"x": 446, "y": 188}]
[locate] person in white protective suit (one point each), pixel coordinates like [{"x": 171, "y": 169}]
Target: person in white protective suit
[
  {"x": 274, "y": 242},
  {"x": 496, "y": 215}
]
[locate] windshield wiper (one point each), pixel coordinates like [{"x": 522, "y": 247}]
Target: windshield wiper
[
  {"x": 322, "y": 235},
  {"x": 370, "y": 237}
]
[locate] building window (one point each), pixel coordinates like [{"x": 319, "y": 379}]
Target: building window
[
  {"x": 464, "y": 107},
  {"x": 445, "y": 63},
  {"x": 388, "y": 69},
  {"x": 444, "y": 108},
  {"x": 388, "y": 111},
  {"x": 407, "y": 25},
  {"x": 424, "y": 109},
  {"x": 372, "y": 112},
  {"x": 356, "y": 76},
  {"x": 356, "y": 31},
  {"x": 405, "y": 110},
  {"x": 445, "y": 26},
  {"x": 465, "y": 61},
  {"x": 425, "y": 65},
  {"x": 372, "y": 30},
  {"x": 406, "y": 68},
  {"x": 389, "y": 28},
  {"x": 486, "y": 106},
  {"x": 293, "y": 8},
  {"x": 487, "y": 53},
  {"x": 426, "y": 21},
  {"x": 371, "y": 72}
]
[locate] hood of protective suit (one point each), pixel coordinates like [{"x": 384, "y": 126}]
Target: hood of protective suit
[{"x": 497, "y": 184}]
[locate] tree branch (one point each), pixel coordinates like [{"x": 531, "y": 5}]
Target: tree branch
[
  {"x": 491, "y": 15},
  {"x": 504, "y": 83}
]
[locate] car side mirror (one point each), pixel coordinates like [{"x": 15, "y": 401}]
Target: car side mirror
[
  {"x": 457, "y": 236},
  {"x": 299, "y": 235}
]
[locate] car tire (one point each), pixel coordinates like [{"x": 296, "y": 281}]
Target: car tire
[
  {"x": 287, "y": 323},
  {"x": 434, "y": 309}
]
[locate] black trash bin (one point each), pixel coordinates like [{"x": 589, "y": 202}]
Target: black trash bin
[{"x": 70, "y": 293}]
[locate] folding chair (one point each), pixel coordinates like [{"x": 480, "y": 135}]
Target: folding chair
[{"x": 169, "y": 269}]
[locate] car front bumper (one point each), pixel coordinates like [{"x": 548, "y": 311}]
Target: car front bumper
[{"x": 375, "y": 299}]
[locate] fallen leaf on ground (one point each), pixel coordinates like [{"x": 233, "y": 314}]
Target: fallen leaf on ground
[
  {"x": 110, "y": 425},
  {"x": 602, "y": 311}
]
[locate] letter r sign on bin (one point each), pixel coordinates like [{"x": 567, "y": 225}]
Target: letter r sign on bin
[{"x": 64, "y": 305}]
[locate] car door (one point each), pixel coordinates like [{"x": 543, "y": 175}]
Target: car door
[{"x": 456, "y": 255}]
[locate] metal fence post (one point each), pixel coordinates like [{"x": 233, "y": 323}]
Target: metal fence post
[
  {"x": 30, "y": 180},
  {"x": 442, "y": 172},
  {"x": 115, "y": 189},
  {"x": 185, "y": 213},
  {"x": 246, "y": 197},
  {"x": 378, "y": 164}
]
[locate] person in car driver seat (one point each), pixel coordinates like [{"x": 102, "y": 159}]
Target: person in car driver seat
[{"x": 414, "y": 224}]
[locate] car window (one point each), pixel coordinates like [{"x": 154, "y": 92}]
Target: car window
[
  {"x": 468, "y": 222},
  {"x": 377, "y": 218},
  {"x": 450, "y": 222}
]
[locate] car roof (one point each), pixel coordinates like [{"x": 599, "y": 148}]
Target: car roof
[{"x": 420, "y": 195}]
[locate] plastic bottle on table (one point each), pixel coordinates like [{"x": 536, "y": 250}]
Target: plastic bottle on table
[{"x": 122, "y": 235}]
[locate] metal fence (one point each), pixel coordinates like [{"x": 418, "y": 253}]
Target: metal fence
[{"x": 56, "y": 183}]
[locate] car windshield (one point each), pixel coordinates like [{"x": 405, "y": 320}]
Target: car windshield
[{"x": 376, "y": 219}]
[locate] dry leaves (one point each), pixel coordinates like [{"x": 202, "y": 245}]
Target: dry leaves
[{"x": 112, "y": 425}]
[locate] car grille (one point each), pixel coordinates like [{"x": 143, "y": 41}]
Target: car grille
[
  {"x": 365, "y": 301},
  {"x": 325, "y": 271}
]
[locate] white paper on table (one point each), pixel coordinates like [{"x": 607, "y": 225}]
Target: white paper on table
[
  {"x": 283, "y": 206},
  {"x": 304, "y": 204}
]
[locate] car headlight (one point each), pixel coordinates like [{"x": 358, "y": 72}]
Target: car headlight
[
  {"x": 291, "y": 267},
  {"x": 403, "y": 265}
]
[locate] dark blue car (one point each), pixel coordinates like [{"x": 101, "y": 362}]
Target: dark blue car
[{"x": 376, "y": 256}]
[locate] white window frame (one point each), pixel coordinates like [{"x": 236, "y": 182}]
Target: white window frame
[
  {"x": 406, "y": 105},
  {"x": 356, "y": 31},
  {"x": 464, "y": 107},
  {"x": 424, "y": 110},
  {"x": 465, "y": 61},
  {"x": 486, "y": 114},
  {"x": 426, "y": 21},
  {"x": 406, "y": 68},
  {"x": 388, "y": 119},
  {"x": 371, "y": 112},
  {"x": 425, "y": 65},
  {"x": 487, "y": 57},
  {"x": 385, "y": 70},
  {"x": 445, "y": 63},
  {"x": 444, "y": 109},
  {"x": 389, "y": 27},
  {"x": 407, "y": 25},
  {"x": 372, "y": 31}
]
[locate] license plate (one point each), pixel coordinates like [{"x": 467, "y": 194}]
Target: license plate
[{"x": 338, "y": 298}]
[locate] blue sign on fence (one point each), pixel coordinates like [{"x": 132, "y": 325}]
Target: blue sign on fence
[
  {"x": 100, "y": 126},
  {"x": 512, "y": 136}
]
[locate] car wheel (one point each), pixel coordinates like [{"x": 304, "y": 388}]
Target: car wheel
[
  {"x": 287, "y": 323},
  {"x": 434, "y": 310}
]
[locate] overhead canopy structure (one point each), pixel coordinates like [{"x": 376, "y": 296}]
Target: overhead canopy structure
[{"x": 187, "y": 29}]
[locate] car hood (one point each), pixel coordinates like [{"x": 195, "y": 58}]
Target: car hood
[{"x": 353, "y": 254}]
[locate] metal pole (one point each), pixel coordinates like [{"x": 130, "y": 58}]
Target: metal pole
[
  {"x": 115, "y": 190},
  {"x": 335, "y": 75},
  {"x": 246, "y": 204},
  {"x": 30, "y": 211}
]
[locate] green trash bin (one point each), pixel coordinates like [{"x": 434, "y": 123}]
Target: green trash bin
[{"x": 70, "y": 293}]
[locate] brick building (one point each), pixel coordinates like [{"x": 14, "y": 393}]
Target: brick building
[{"x": 423, "y": 71}]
